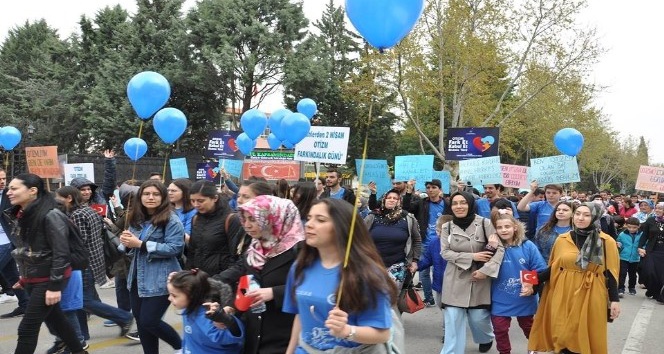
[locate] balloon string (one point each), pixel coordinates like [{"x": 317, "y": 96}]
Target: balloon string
[
  {"x": 7, "y": 160},
  {"x": 163, "y": 172},
  {"x": 140, "y": 129},
  {"x": 353, "y": 220},
  {"x": 133, "y": 177}
]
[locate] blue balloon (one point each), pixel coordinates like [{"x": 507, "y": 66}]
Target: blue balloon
[
  {"x": 287, "y": 144},
  {"x": 135, "y": 148},
  {"x": 9, "y": 137},
  {"x": 273, "y": 141},
  {"x": 245, "y": 143},
  {"x": 148, "y": 92},
  {"x": 307, "y": 106},
  {"x": 253, "y": 123},
  {"x": 275, "y": 122},
  {"x": 297, "y": 125},
  {"x": 569, "y": 141},
  {"x": 169, "y": 123},
  {"x": 384, "y": 23}
]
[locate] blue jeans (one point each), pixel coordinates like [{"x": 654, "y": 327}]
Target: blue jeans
[
  {"x": 479, "y": 321},
  {"x": 148, "y": 312},
  {"x": 10, "y": 273},
  {"x": 425, "y": 278},
  {"x": 92, "y": 304}
]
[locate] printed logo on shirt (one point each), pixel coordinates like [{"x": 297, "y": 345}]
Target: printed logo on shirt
[
  {"x": 187, "y": 329},
  {"x": 511, "y": 286},
  {"x": 332, "y": 299},
  {"x": 522, "y": 261}
]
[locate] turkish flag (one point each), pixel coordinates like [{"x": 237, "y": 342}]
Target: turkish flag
[
  {"x": 242, "y": 301},
  {"x": 529, "y": 276},
  {"x": 100, "y": 209}
]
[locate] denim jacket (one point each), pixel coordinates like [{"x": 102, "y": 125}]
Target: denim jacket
[{"x": 164, "y": 245}]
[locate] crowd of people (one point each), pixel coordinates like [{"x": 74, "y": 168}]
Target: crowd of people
[{"x": 265, "y": 267}]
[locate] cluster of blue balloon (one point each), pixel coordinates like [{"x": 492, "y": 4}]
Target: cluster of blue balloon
[
  {"x": 384, "y": 23},
  {"x": 287, "y": 128},
  {"x": 9, "y": 137},
  {"x": 568, "y": 141},
  {"x": 148, "y": 92}
]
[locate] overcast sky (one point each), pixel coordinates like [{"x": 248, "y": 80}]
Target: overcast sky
[{"x": 631, "y": 70}]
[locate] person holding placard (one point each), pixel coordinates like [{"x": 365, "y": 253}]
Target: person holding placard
[{"x": 541, "y": 211}]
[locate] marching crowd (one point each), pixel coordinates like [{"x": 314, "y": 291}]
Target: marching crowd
[{"x": 317, "y": 267}]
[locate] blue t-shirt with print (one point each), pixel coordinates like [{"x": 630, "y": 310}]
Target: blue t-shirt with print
[
  {"x": 435, "y": 211},
  {"x": 505, "y": 289},
  {"x": 316, "y": 297},
  {"x": 202, "y": 336},
  {"x": 543, "y": 210},
  {"x": 338, "y": 195}
]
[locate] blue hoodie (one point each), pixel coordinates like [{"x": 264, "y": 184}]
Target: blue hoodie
[{"x": 628, "y": 246}]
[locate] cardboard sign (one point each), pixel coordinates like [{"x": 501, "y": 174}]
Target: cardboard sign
[
  {"x": 650, "y": 179},
  {"x": 417, "y": 167},
  {"x": 43, "y": 161},
  {"x": 75, "y": 170},
  {"x": 375, "y": 171},
  {"x": 324, "y": 144},
  {"x": 179, "y": 168},
  {"x": 481, "y": 171},
  {"x": 515, "y": 176},
  {"x": 554, "y": 170},
  {"x": 445, "y": 178},
  {"x": 471, "y": 143}
]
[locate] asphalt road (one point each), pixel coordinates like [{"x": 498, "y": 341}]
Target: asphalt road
[{"x": 640, "y": 329}]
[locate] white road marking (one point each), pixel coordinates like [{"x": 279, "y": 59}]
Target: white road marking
[{"x": 637, "y": 333}]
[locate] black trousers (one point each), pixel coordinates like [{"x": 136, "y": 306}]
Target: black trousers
[
  {"x": 35, "y": 314},
  {"x": 625, "y": 269}
]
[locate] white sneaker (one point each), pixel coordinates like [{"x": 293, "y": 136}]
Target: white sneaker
[
  {"x": 4, "y": 298},
  {"x": 109, "y": 284},
  {"x": 178, "y": 351}
]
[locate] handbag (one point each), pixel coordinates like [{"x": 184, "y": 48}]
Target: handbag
[
  {"x": 410, "y": 300},
  {"x": 110, "y": 243}
]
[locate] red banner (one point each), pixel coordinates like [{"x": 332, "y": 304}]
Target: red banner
[{"x": 271, "y": 170}]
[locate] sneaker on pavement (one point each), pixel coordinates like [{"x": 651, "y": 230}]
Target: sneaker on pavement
[
  {"x": 57, "y": 347},
  {"x": 4, "y": 298},
  {"x": 108, "y": 285},
  {"x": 621, "y": 293},
  {"x": 429, "y": 303},
  {"x": 133, "y": 336},
  {"x": 632, "y": 291},
  {"x": 485, "y": 347},
  {"x": 109, "y": 323},
  {"x": 178, "y": 351},
  {"x": 418, "y": 285},
  {"x": 126, "y": 327},
  {"x": 19, "y": 311}
]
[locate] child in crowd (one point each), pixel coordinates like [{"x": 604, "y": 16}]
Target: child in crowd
[
  {"x": 208, "y": 328},
  {"x": 628, "y": 242},
  {"x": 509, "y": 295},
  {"x": 432, "y": 258}
]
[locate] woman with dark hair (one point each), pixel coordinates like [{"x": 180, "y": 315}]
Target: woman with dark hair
[
  {"x": 217, "y": 237},
  {"x": 580, "y": 289},
  {"x": 559, "y": 223},
  {"x": 41, "y": 240},
  {"x": 178, "y": 195},
  {"x": 626, "y": 208},
  {"x": 396, "y": 234},
  {"x": 319, "y": 182},
  {"x": 91, "y": 226},
  {"x": 502, "y": 204},
  {"x": 473, "y": 253},
  {"x": 154, "y": 241},
  {"x": 251, "y": 189},
  {"x": 304, "y": 195},
  {"x": 276, "y": 230},
  {"x": 283, "y": 189},
  {"x": 363, "y": 316}
]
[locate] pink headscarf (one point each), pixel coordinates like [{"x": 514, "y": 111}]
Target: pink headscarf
[{"x": 284, "y": 219}]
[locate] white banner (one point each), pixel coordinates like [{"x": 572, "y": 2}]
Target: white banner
[
  {"x": 324, "y": 144},
  {"x": 74, "y": 170}
]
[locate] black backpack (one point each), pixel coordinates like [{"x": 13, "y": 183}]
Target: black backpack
[{"x": 79, "y": 255}]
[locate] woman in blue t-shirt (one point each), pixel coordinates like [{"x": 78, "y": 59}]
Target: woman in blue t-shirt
[
  {"x": 559, "y": 223},
  {"x": 178, "y": 196},
  {"x": 319, "y": 276}
]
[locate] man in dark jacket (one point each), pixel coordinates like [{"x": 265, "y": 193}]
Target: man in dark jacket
[
  {"x": 334, "y": 189},
  {"x": 427, "y": 211},
  {"x": 8, "y": 267}
]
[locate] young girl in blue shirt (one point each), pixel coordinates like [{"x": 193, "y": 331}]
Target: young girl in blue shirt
[
  {"x": 207, "y": 326},
  {"x": 509, "y": 296}
]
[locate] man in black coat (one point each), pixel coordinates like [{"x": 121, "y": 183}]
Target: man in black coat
[{"x": 334, "y": 189}]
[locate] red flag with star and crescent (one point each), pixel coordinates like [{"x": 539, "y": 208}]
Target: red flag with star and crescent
[{"x": 529, "y": 276}]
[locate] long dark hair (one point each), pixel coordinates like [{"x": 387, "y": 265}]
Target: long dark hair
[
  {"x": 553, "y": 219},
  {"x": 74, "y": 193},
  {"x": 35, "y": 212},
  {"x": 258, "y": 187},
  {"x": 283, "y": 189},
  {"x": 209, "y": 190},
  {"x": 138, "y": 213},
  {"x": 365, "y": 266},
  {"x": 184, "y": 184},
  {"x": 304, "y": 196},
  {"x": 194, "y": 283}
]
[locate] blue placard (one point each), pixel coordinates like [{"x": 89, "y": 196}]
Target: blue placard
[
  {"x": 481, "y": 171},
  {"x": 445, "y": 178},
  {"x": 417, "y": 167},
  {"x": 233, "y": 167},
  {"x": 471, "y": 143},
  {"x": 554, "y": 170},
  {"x": 179, "y": 168},
  {"x": 375, "y": 171},
  {"x": 221, "y": 145}
]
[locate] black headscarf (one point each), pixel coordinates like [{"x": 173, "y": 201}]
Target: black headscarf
[{"x": 465, "y": 221}]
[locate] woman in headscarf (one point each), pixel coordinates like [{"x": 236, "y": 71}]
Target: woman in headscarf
[
  {"x": 396, "y": 234},
  {"x": 572, "y": 314},
  {"x": 651, "y": 247},
  {"x": 276, "y": 230},
  {"x": 473, "y": 253}
]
